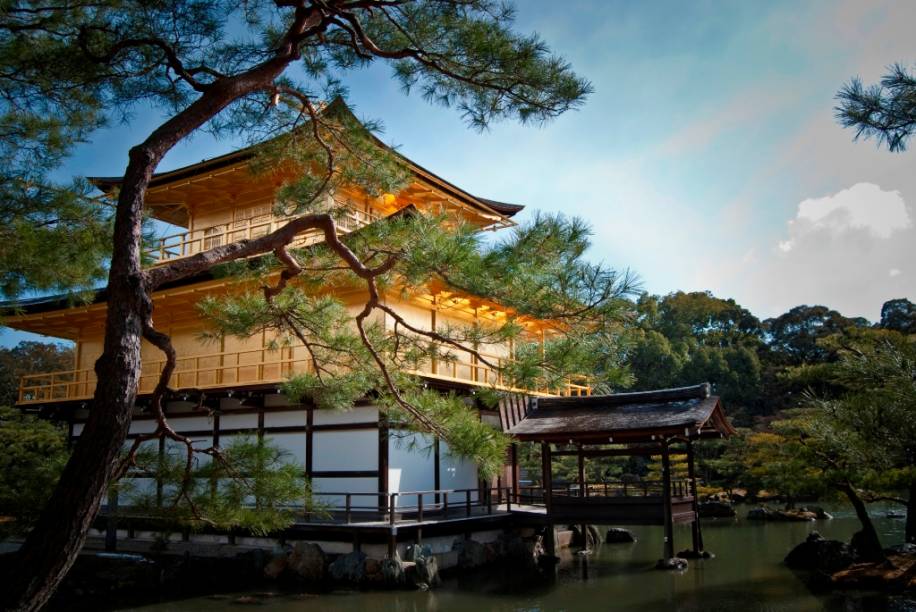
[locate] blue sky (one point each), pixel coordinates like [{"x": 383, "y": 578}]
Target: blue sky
[{"x": 707, "y": 158}]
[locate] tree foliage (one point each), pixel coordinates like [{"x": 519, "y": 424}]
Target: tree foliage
[
  {"x": 899, "y": 315},
  {"x": 796, "y": 333},
  {"x": 251, "y": 483},
  {"x": 34, "y": 452},
  {"x": 885, "y": 112},
  {"x": 585, "y": 302},
  {"x": 29, "y": 357},
  {"x": 688, "y": 338},
  {"x": 260, "y": 69}
]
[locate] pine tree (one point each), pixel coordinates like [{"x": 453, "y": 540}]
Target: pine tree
[
  {"x": 265, "y": 70},
  {"x": 885, "y": 112}
]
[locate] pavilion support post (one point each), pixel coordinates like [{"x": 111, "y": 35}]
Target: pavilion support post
[
  {"x": 550, "y": 539},
  {"x": 666, "y": 502},
  {"x": 513, "y": 481},
  {"x": 697, "y": 530},
  {"x": 581, "y": 473},
  {"x": 582, "y": 493},
  {"x": 547, "y": 475}
]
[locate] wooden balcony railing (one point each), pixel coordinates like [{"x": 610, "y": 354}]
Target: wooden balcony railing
[
  {"x": 176, "y": 246},
  {"x": 257, "y": 366}
]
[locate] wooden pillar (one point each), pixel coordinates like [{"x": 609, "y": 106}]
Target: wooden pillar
[
  {"x": 111, "y": 523},
  {"x": 666, "y": 502},
  {"x": 581, "y": 473},
  {"x": 160, "y": 485},
  {"x": 383, "y": 463},
  {"x": 437, "y": 466},
  {"x": 214, "y": 483},
  {"x": 550, "y": 539},
  {"x": 583, "y": 529},
  {"x": 513, "y": 481},
  {"x": 309, "y": 441},
  {"x": 697, "y": 531},
  {"x": 547, "y": 475}
]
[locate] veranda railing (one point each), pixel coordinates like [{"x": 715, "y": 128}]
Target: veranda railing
[
  {"x": 265, "y": 365},
  {"x": 184, "y": 244}
]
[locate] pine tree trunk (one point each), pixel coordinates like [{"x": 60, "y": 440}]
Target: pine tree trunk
[
  {"x": 54, "y": 543},
  {"x": 866, "y": 541}
]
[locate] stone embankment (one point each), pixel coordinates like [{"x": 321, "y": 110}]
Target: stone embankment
[{"x": 146, "y": 576}]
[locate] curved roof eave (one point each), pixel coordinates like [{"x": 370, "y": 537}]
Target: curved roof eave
[{"x": 485, "y": 205}]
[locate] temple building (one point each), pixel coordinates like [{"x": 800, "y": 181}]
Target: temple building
[{"x": 380, "y": 489}]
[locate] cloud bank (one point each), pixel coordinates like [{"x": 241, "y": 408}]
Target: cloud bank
[{"x": 844, "y": 250}]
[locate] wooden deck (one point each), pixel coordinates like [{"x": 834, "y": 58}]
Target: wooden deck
[{"x": 412, "y": 515}]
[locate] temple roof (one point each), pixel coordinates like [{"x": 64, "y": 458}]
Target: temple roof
[
  {"x": 484, "y": 205},
  {"x": 689, "y": 412}
]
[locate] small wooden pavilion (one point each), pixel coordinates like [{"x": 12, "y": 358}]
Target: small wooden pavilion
[{"x": 648, "y": 423}]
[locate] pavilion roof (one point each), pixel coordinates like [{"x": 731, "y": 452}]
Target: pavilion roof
[{"x": 686, "y": 412}]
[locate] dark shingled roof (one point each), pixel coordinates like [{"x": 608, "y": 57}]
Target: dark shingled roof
[
  {"x": 504, "y": 208},
  {"x": 685, "y": 411}
]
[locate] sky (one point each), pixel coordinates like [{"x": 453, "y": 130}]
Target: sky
[{"x": 707, "y": 158}]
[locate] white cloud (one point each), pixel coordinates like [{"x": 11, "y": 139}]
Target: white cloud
[
  {"x": 846, "y": 250},
  {"x": 862, "y": 205}
]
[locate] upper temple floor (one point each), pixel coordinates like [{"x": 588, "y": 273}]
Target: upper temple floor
[{"x": 221, "y": 200}]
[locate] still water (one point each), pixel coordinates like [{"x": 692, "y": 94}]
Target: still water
[{"x": 746, "y": 575}]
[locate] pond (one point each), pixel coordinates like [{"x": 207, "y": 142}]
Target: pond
[{"x": 746, "y": 575}]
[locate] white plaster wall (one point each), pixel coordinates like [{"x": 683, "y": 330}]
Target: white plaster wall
[
  {"x": 225, "y": 440},
  {"x": 292, "y": 443},
  {"x": 345, "y": 450},
  {"x": 197, "y": 423},
  {"x": 284, "y": 419},
  {"x": 179, "y": 450},
  {"x": 456, "y": 472},
  {"x": 411, "y": 469},
  {"x": 359, "y": 414},
  {"x": 346, "y": 485},
  {"x": 238, "y": 421},
  {"x": 136, "y": 427},
  {"x": 139, "y": 487}
]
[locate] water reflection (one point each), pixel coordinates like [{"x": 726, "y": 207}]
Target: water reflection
[{"x": 746, "y": 575}]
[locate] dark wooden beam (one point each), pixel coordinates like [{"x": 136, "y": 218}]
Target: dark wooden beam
[
  {"x": 513, "y": 450},
  {"x": 382, "y": 462},
  {"x": 581, "y": 460},
  {"x": 615, "y": 452},
  {"x": 346, "y": 473},
  {"x": 666, "y": 501},
  {"x": 309, "y": 441},
  {"x": 547, "y": 475},
  {"x": 696, "y": 530},
  {"x": 437, "y": 478}
]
